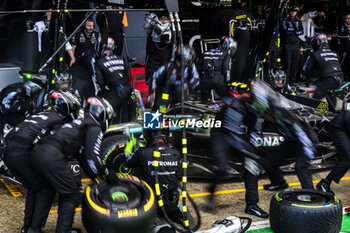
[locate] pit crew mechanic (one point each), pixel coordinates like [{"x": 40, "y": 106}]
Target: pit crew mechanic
[
  {"x": 166, "y": 81},
  {"x": 299, "y": 139},
  {"x": 215, "y": 68},
  {"x": 326, "y": 63},
  {"x": 111, "y": 79},
  {"x": 14, "y": 104},
  {"x": 85, "y": 44},
  {"x": 343, "y": 33},
  {"x": 20, "y": 143},
  {"x": 168, "y": 171},
  {"x": 292, "y": 28},
  {"x": 158, "y": 46},
  {"x": 339, "y": 131},
  {"x": 81, "y": 138},
  {"x": 239, "y": 119}
]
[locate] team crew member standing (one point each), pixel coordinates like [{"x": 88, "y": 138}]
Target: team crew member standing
[
  {"x": 81, "y": 138},
  {"x": 292, "y": 28},
  {"x": 85, "y": 44},
  {"x": 20, "y": 143},
  {"x": 158, "y": 46},
  {"x": 343, "y": 33}
]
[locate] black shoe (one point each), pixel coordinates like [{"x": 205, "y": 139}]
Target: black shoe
[
  {"x": 325, "y": 186},
  {"x": 271, "y": 187},
  {"x": 254, "y": 209},
  {"x": 210, "y": 207},
  {"x": 24, "y": 230},
  {"x": 75, "y": 230}
]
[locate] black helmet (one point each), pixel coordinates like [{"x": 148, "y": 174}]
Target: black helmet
[
  {"x": 65, "y": 103},
  {"x": 229, "y": 45},
  {"x": 293, "y": 8},
  {"x": 152, "y": 136},
  {"x": 62, "y": 77},
  {"x": 263, "y": 97},
  {"x": 188, "y": 53},
  {"x": 100, "y": 110},
  {"x": 320, "y": 42},
  {"x": 278, "y": 77}
]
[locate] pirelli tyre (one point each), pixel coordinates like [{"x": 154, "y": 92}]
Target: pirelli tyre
[
  {"x": 119, "y": 208},
  {"x": 311, "y": 211},
  {"x": 112, "y": 153}
]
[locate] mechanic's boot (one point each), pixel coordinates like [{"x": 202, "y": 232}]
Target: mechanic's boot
[
  {"x": 325, "y": 186},
  {"x": 254, "y": 209},
  {"x": 271, "y": 187},
  {"x": 75, "y": 230},
  {"x": 209, "y": 205},
  {"x": 34, "y": 230}
]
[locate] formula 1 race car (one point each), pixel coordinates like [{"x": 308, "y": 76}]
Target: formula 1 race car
[{"x": 314, "y": 113}]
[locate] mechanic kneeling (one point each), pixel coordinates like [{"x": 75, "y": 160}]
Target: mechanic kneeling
[
  {"x": 20, "y": 143},
  {"x": 167, "y": 172},
  {"x": 81, "y": 138},
  {"x": 326, "y": 63}
]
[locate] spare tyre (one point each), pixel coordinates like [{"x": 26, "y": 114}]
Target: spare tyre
[
  {"x": 118, "y": 208},
  {"x": 311, "y": 211}
]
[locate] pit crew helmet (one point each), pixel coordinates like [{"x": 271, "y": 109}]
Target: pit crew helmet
[
  {"x": 65, "y": 103},
  {"x": 320, "y": 42},
  {"x": 188, "y": 53},
  {"x": 100, "y": 110},
  {"x": 110, "y": 46},
  {"x": 278, "y": 77},
  {"x": 264, "y": 98},
  {"x": 293, "y": 8},
  {"x": 229, "y": 45},
  {"x": 61, "y": 78}
]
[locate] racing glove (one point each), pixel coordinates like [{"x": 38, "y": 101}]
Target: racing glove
[{"x": 128, "y": 151}]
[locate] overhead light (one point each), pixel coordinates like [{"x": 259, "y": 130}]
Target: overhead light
[{"x": 197, "y": 3}]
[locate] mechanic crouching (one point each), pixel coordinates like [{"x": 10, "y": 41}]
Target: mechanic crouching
[
  {"x": 339, "y": 131},
  {"x": 326, "y": 63},
  {"x": 112, "y": 80},
  {"x": 81, "y": 138},
  {"x": 169, "y": 160},
  {"x": 298, "y": 141},
  {"x": 20, "y": 143},
  {"x": 239, "y": 119}
]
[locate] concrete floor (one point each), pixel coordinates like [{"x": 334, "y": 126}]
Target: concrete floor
[{"x": 229, "y": 202}]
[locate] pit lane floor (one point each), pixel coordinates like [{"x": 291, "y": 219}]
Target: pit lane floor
[{"x": 230, "y": 201}]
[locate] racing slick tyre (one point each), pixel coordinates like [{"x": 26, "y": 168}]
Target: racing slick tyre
[
  {"x": 112, "y": 150},
  {"x": 118, "y": 208},
  {"x": 303, "y": 210}
]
